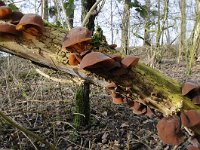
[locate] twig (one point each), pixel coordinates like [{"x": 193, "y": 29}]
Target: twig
[
  {"x": 90, "y": 13},
  {"x": 56, "y": 79},
  {"x": 27, "y": 132}
]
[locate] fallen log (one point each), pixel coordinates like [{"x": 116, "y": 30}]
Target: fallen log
[{"x": 142, "y": 83}]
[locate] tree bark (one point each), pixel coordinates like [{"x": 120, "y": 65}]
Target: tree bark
[
  {"x": 182, "y": 44},
  {"x": 44, "y": 9},
  {"x": 125, "y": 27},
  {"x": 147, "y": 40},
  {"x": 147, "y": 85}
]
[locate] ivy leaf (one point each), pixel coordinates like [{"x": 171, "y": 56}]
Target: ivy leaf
[{"x": 13, "y": 7}]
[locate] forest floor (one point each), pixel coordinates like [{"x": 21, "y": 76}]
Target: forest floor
[{"x": 46, "y": 108}]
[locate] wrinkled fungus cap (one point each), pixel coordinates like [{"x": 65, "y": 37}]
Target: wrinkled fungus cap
[
  {"x": 75, "y": 36},
  {"x": 129, "y": 61},
  {"x": 97, "y": 60},
  {"x": 137, "y": 108},
  {"x": 31, "y": 20},
  {"x": 117, "y": 98},
  {"x": 4, "y": 12},
  {"x": 73, "y": 59},
  {"x": 190, "y": 118},
  {"x": 188, "y": 87},
  {"x": 7, "y": 28},
  {"x": 169, "y": 130}
]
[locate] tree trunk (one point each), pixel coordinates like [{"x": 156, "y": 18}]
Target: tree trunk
[
  {"x": 125, "y": 27},
  {"x": 86, "y": 5},
  {"x": 195, "y": 40},
  {"x": 82, "y": 110},
  {"x": 182, "y": 44},
  {"x": 44, "y": 9},
  {"x": 153, "y": 88},
  {"x": 147, "y": 40}
]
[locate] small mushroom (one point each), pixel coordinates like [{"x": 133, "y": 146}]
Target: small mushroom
[
  {"x": 117, "y": 98},
  {"x": 77, "y": 39},
  {"x": 6, "y": 28},
  {"x": 130, "y": 61},
  {"x": 97, "y": 61},
  {"x": 190, "y": 118},
  {"x": 74, "y": 59},
  {"x": 137, "y": 108},
  {"x": 32, "y": 24},
  {"x": 5, "y": 12},
  {"x": 169, "y": 130},
  {"x": 2, "y": 3},
  {"x": 188, "y": 87}
]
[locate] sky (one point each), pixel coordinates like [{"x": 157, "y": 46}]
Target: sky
[{"x": 103, "y": 19}]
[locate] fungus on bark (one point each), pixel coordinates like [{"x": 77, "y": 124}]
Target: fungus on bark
[
  {"x": 129, "y": 61},
  {"x": 117, "y": 98},
  {"x": 192, "y": 90},
  {"x": 32, "y": 24},
  {"x": 77, "y": 39},
  {"x": 4, "y": 12},
  {"x": 7, "y": 28},
  {"x": 74, "y": 59},
  {"x": 169, "y": 130},
  {"x": 190, "y": 118},
  {"x": 137, "y": 108},
  {"x": 96, "y": 61}
]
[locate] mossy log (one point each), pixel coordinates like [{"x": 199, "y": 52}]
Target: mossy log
[{"x": 147, "y": 85}]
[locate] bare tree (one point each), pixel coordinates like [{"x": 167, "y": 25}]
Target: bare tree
[
  {"x": 44, "y": 9},
  {"x": 125, "y": 26},
  {"x": 182, "y": 41},
  {"x": 147, "y": 40}
]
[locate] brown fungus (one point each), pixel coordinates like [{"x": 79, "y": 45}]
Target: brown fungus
[
  {"x": 129, "y": 61},
  {"x": 117, "y": 98},
  {"x": 31, "y": 24},
  {"x": 97, "y": 61},
  {"x": 77, "y": 39},
  {"x": 169, "y": 130},
  {"x": 4, "y": 12},
  {"x": 137, "y": 108},
  {"x": 6, "y": 28},
  {"x": 74, "y": 59},
  {"x": 190, "y": 118},
  {"x": 188, "y": 87}
]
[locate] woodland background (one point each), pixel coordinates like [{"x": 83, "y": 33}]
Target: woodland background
[{"x": 163, "y": 33}]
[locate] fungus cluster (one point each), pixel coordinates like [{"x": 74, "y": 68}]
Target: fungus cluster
[
  {"x": 169, "y": 128},
  {"x": 16, "y": 22}
]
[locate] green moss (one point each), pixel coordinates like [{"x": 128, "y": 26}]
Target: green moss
[{"x": 161, "y": 81}]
